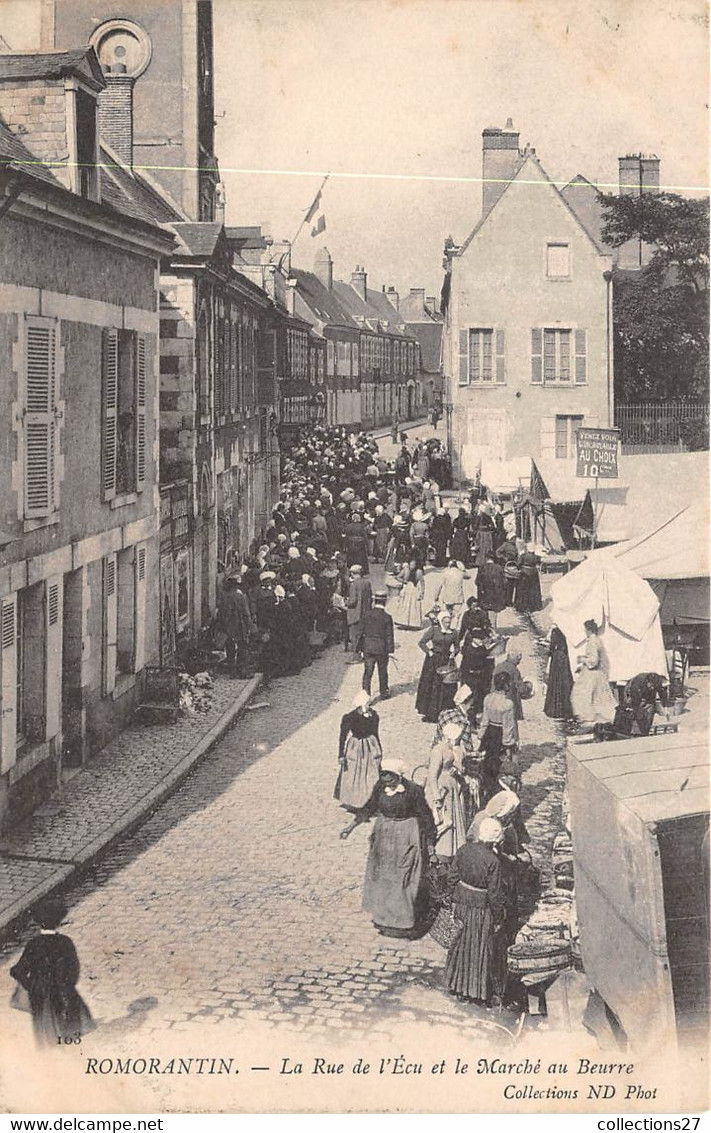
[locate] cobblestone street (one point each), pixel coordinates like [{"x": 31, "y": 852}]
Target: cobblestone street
[{"x": 237, "y": 903}]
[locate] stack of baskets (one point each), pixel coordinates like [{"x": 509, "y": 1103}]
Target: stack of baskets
[{"x": 563, "y": 860}]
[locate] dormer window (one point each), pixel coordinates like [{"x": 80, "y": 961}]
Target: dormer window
[{"x": 82, "y": 140}]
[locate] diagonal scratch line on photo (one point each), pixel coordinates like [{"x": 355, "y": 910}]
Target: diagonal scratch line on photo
[{"x": 345, "y": 175}]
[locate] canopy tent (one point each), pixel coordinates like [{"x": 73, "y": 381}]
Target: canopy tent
[
  {"x": 556, "y": 504},
  {"x": 674, "y": 558},
  {"x": 649, "y": 490},
  {"x": 625, "y": 608}
]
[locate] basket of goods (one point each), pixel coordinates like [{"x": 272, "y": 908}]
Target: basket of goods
[
  {"x": 446, "y": 927},
  {"x": 534, "y": 961},
  {"x": 511, "y": 570},
  {"x": 393, "y": 584}
]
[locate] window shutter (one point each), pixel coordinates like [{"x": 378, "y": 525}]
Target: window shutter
[
  {"x": 580, "y": 356},
  {"x": 110, "y": 412},
  {"x": 40, "y": 419},
  {"x": 464, "y": 357},
  {"x": 8, "y": 682},
  {"x": 536, "y": 355},
  {"x": 139, "y": 590},
  {"x": 141, "y": 454},
  {"x": 110, "y": 627},
  {"x": 53, "y": 657},
  {"x": 500, "y": 356}
]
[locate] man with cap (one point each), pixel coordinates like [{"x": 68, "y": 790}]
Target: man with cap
[
  {"x": 358, "y": 603},
  {"x": 378, "y": 642}
]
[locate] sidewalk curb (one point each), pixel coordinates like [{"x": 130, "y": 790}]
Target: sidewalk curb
[{"x": 133, "y": 818}]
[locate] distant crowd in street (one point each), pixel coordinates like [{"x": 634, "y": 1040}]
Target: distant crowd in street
[{"x": 454, "y": 840}]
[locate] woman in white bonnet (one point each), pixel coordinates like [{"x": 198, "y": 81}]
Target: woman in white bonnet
[
  {"x": 359, "y": 754},
  {"x": 478, "y": 901},
  {"x": 395, "y": 892}
]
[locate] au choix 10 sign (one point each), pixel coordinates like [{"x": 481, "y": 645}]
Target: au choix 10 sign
[{"x": 597, "y": 453}]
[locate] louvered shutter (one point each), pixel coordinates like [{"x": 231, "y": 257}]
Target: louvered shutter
[
  {"x": 500, "y": 356},
  {"x": 580, "y": 356},
  {"x": 139, "y": 590},
  {"x": 464, "y": 357},
  {"x": 536, "y": 355},
  {"x": 141, "y": 453},
  {"x": 40, "y": 418},
  {"x": 110, "y": 626},
  {"x": 109, "y": 369},
  {"x": 8, "y": 682},
  {"x": 53, "y": 656}
]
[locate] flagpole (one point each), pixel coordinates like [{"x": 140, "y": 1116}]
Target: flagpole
[{"x": 303, "y": 222}]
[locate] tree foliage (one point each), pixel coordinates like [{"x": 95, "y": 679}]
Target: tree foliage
[{"x": 661, "y": 311}]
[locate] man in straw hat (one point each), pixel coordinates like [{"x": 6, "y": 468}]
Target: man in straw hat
[{"x": 377, "y": 643}]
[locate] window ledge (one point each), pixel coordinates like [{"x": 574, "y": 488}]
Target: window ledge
[
  {"x": 126, "y": 498},
  {"x": 559, "y": 385},
  {"x": 124, "y": 683},
  {"x": 559, "y": 278},
  {"x": 41, "y": 521}
]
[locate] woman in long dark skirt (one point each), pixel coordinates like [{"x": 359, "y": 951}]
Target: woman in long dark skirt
[
  {"x": 560, "y": 679},
  {"x": 527, "y": 596},
  {"x": 478, "y": 901},
  {"x": 401, "y": 845},
  {"x": 476, "y": 668},
  {"x": 460, "y": 545},
  {"x": 48, "y": 970},
  {"x": 432, "y": 693}
]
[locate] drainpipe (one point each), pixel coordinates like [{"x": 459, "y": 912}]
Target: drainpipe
[{"x": 607, "y": 276}]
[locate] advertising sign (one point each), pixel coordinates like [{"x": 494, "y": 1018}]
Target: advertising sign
[{"x": 597, "y": 453}]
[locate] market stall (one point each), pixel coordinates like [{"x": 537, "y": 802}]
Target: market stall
[{"x": 639, "y": 814}]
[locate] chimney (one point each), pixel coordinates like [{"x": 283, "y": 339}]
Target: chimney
[
  {"x": 291, "y": 285},
  {"x": 638, "y": 173},
  {"x": 220, "y": 202},
  {"x": 416, "y": 304},
  {"x": 323, "y": 268},
  {"x": 392, "y": 297},
  {"x": 359, "y": 281},
  {"x": 116, "y": 111},
  {"x": 431, "y": 304},
  {"x": 501, "y": 161}
]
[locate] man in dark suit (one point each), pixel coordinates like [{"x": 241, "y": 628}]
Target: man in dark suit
[
  {"x": 357, "y": 605},
  {"x": 378, "y": 643}
]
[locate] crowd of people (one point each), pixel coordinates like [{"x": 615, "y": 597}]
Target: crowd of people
[{"x": 308, "y": 585}]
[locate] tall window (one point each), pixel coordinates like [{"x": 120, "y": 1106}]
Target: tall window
[
  {"x": 558, "y": 356},
  {"x": 41, "y": 417},
  {"x": 482, "y": 356},
  {"x": 558, "y": 261},
  {"x": 565, "y": 429},
  {"x": 124, "y": 413}
]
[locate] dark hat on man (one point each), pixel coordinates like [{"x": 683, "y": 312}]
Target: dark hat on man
[{"x": 380, "y": 596}]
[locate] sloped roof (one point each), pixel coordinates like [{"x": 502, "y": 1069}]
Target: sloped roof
[
  {"x": 675, "y": 548},
  {"x": 53, "y": 65},
  {"x": 13, "y": 153},
  {"x": 325, "y": 305},
  {"x": 429, "y": 336},
  {"x": 585, "y": 201},
  {"x": 198, "y": 239},
  {"x": 531, "y": 158},
  {"x": 377, "y": 307},
  {"x": 658, "y": 778},
  {"x": 246, "y": 236},
  {"x": 127, "y": 191}
]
